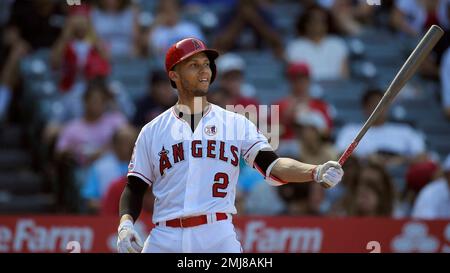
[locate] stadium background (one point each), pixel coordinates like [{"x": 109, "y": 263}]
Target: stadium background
[{"x": 321, "y": 61}]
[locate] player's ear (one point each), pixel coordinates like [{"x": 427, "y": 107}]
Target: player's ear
[{"x": 173, "y": 75}]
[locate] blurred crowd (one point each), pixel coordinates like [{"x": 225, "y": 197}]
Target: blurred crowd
[{"x": 87, "y": 141}]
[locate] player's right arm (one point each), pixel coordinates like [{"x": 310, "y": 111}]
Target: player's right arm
[
  {"x": 130, "y": 207},
  {"x": 139, "y": 179}
]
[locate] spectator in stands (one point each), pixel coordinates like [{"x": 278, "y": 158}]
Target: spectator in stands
[
  {"x": 109, "y": 167},
  {"x": 12, "y": 49},
  {"x": 373, "y": 193},
  {"x": 250, "y": 18},
  {"x": 412, "y": 17},
  {"x": 39, "y": 22},
  {"x": 302, "y": 199},
  {"x": 351, "y": 16},
  {"x": 116, "y": 24},
  {"x": 169, "y": 27},
  {"x": 231, "y": 69},
  {"x": 433, "y": 201},
  {"x": 264, "y": 199},
  {"x": 393, "y": 143},
  {"x": 159, "y": 98},
  {"x": 70, "y": 106},
  {"x": 336, "y": 198},
  {"x": 298, "y": 101},
  {"x": 77, "y": 53},
  {"x": 219, "y": 96},
  {"x": 445, "y": 82},
  {"x": 418, "y": 176},
  {"x": 110, "y": 201},
  {"x": 325, "y": 53},
  {"x": 85, "y": 139},
  {"x": 311, "y": 129}
]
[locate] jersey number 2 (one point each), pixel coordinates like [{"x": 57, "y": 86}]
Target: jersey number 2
[{"x": 220, "y": 183}]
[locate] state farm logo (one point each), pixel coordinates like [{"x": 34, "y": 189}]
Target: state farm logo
[
  {"x": 415, "y": 238},
  {"x": 257, "y": 237},
  {"x": 29, "y": 237}
]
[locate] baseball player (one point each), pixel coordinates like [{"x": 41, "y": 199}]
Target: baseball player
[{"x": 190, "y": 157}]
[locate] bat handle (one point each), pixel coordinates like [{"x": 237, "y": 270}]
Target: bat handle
[
  {"x": 344, "y": 157},
  {"x": 348, "y": 152}
]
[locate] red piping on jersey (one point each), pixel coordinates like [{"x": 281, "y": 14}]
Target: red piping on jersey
[
  {"x": 251, "y": 147},
  {"x": 259, "y": 170},
  {"x": 209, "y": 110},
  {"x": 175, "y": 114},
  {"x": 141, "y": 175},
  {"x": 270, "y": 176}
]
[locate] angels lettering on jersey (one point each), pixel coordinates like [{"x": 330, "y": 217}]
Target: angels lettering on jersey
[{"x": 218, "y": 150}]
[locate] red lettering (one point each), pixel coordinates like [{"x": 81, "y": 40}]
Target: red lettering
[
  {"x": 221, "y": 182},
  {"x": 196, "y": 151},
  {"x": 234, "y": 151},
  {"x": 210, "y": 148},
  {"x": 164, "y": 163},
  {"x": 178, "y": 152},
  {"x": 222, "y": 152}
]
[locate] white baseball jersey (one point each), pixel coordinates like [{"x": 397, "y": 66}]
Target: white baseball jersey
[{"x": 194, "y": 173}]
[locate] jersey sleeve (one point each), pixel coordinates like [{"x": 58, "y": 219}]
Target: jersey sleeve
[
  {"x": 140, "y": 163},
  {"x": 253, "y": 141}
]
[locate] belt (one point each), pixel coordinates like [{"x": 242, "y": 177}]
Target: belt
[{"x": 192, "y": 221}]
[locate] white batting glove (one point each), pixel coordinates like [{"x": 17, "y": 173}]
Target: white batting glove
[
  {"x": 128, "y": 240},
  {"x": 328, "y": 174}
]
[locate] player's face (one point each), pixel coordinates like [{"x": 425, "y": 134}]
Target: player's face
[{"x": 195, "y": 74}]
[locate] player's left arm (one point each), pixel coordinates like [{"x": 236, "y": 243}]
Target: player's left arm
[
  {"x": 291, "y": 170},
  {"x": 278, "y": 171},
  {"x": 258, "y": 153}
]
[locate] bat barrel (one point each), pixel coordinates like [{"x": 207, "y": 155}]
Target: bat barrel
[{"x": 429, "y": 40}]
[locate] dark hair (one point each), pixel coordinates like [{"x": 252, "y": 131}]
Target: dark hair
[
  {"x": 97, "y": 85},
  {"x": 123, "y": 4},
  {"x": 294, "y": 192},
  {"x": 384, "y": 191},
  {"x": 371, "y": 92},
  {"x": 306, "y": 16}
]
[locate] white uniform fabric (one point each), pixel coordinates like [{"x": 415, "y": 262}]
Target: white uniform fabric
[
  {"x": 194, "y": 173},
  {"x": 217, "y": 237}
]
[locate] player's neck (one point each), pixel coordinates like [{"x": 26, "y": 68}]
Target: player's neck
[{"x": 194, "y": 105}]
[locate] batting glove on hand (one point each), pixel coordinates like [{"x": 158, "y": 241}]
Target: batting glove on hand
[
  {"x": 128, "y": 240},
  {"x": 328, "y": 174}
]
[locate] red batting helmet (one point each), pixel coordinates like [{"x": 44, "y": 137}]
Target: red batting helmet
[{"x": 184, "y": 49}]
